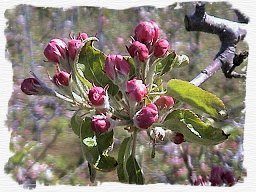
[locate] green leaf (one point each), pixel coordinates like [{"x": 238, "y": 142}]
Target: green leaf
[
  {"x": 182, "y": 61},
  {"x": 76, "y": 122},
  {"x": 123, "y": 154},
  {"x": 193, "y": 129},
  {"x": 197, "y": 97},
  {"x": 134, "y": 172},
  {"x": 90, "y": 141},
  {"x": 17, "y": 158},
  {"x": 167, "y": 63},
  {"x": 130, "y": 60},
  {"x": 104, "y": 140},
  {"x": 91, "y": 62},
  {"x": 106, "y": 163},
  {"x": 95, "y": 146}
]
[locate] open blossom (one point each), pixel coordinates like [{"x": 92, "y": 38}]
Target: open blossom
[
  {"x": 116, "y": 67},
  {"x": 161, "y": 48},
  {"x": 136, "y": 90},
  {"x": 146, "y": 32},
  {"x": 56, "y": 50},
  {"x": 166, "y": 102},
  {"x": 61, "y": 78},
  {"x": 138, "y": 50},
  {"x": 98, "y": 97},
  {"x": 146, "y": 116},
  {"x": 100, "y": 123},
  {"x": 73, "y": 46}
]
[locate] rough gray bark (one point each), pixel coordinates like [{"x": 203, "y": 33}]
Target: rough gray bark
[{"x": 229, "y": 32}]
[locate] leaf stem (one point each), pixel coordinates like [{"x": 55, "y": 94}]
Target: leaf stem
[{"x": 134, "y": 138}]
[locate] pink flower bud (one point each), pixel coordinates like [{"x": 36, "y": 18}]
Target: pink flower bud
[
  {"x": 145, "y": 32},
  {"x": 32, "y": 86},
  {"x": 97, "y": 96},
  {"x": 164, "y": 102},
  {"x": 116, "y": 66},
  {"x": 100, "y": 123},
  {"x": 136, "y": 90},
  {"x": 145, "y": 117},
  {"x": 73, "y": 46},
  {"x": 82, "y": 36},
  {"x": 177, "y": 138},
  {"x": 56, "y": 50},
  {"x": 161, "y": 48},
  {"x": 61, "y": 78},
  {"x": 139, "y": 50},
  {"x": 157, "y": 31}
]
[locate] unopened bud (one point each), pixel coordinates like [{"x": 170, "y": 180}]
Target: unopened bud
[
  {"x": 139, "y": 50},
  {"x": 146, "y": 116},
  {"x": 98, "y": 97},
  {"x": 56, "y": 50},
  {"x": 136, "y": 90},
  {"x": 164, "y": 102},
  {"x": 161, "y": 48},
  {"x": 73, "y": 46},
  {"x": 100, "y": 123},
  {"x": 117, "y": 68}
]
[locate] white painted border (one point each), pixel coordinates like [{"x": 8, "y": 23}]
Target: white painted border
[{"x": 7, "y": 184}]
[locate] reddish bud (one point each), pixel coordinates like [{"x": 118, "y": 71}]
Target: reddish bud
[
  {"x": 82, "y": 36},
  {"x": 116, "y": 67},
  {"x": 145, "y": 32},
  {"x": 166, "y": 102},
  {"x": 61, "y": 78},
  {"x": 138, "y": 50},
  {"x": 100, "y": 123},
  {"x": 178, "y": 138},
  {"x": 73, "y": 46},
  {"x": 31, "y": 86},
  {"x": 161, "y": 48},
  {"x": 136, "y": 90},
  {"x": 145, "y": 117},
  {"x": 56, "y": 50},
  {"x": 97, "y": 96},
  {"x": 157, "y": 31}
]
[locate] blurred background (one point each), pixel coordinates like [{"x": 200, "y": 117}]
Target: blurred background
[{"x": 44, "y": 147}]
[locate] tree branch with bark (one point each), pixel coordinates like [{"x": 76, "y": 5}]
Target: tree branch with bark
[{"x": 230, "y": 34}]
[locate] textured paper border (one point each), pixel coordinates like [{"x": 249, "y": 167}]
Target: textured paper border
[{"x": 8, "y": 184}]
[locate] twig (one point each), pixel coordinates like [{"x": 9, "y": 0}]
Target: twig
[{"x": 229, "y": 32}]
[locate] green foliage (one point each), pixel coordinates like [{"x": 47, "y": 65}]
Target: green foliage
[
  {"x": 134, "y": 172},
  {"x": 193, "y": 129},
  {"x": 91, "y": 62},
  {"x": 95, "y": 146},
  {"x": 197, "y": 97},
  {"x": 123, "y": 154},
  {"x": 172, "y": 60}
]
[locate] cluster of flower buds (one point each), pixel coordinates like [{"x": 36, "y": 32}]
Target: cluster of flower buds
[
  {"x": 117, "y": 68},
  {"x": 62, "y": 54},
  {"x": 147, "y": 41},
  {"x": 221, "y": 175},
  {"x": 57, "y": 51}
]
